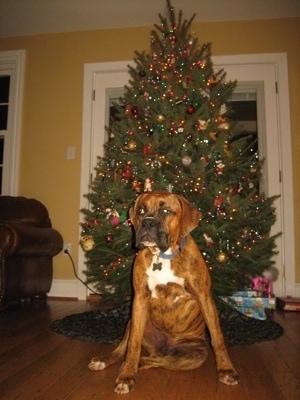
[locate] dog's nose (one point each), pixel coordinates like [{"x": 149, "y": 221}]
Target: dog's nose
[{"x": 149, "y": 222}]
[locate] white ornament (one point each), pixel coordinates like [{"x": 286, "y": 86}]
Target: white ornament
[{"x": 186, "y": 161}]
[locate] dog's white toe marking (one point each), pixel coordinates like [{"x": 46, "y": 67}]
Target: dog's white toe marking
[
  {"x": 122, "y": 388},
  {"x": 96, "y": 365}
]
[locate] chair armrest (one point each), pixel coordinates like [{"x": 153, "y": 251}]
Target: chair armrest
[{"x": 26, "y": 240}]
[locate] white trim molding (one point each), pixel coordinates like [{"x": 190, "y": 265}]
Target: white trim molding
[
  {"x": 64, "y": 288},
  {"x": 13, "y": 63}
]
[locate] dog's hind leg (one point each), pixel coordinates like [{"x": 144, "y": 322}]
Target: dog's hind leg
[
  {"x": 182, "y": 357},
  {"x": 101, "y": 362}
]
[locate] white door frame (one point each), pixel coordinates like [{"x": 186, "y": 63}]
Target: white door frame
[
  {"x": 112, "y": 75},
  {"x": 12, "y": 63}
]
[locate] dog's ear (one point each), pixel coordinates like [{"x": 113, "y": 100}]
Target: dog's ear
[
  {"x": 190, "y": 216},
  {"x": 134, "y": 219},
  {"x": 132, "y": 216}
]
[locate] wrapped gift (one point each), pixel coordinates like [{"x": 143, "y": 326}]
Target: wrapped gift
[
  {"x": 262, "y": 284},
  {"x": 248, "y": 293},
  {"x": 252, "y": 306}
]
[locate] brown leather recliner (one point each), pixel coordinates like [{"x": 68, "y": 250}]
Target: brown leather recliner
[{"x": 28, "y": 244}]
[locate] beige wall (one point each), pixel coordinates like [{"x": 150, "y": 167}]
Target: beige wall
[{"x": 52, "y": 117}]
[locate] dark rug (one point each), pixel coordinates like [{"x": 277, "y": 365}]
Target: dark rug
[{"x": 108, "y": 326}]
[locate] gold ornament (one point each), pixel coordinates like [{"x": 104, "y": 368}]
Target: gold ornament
[
  {"x": 87, "y": 243},
  {"x": 160, "y": 118},
  {"x": 132, "y": 145},
  {"x": 221, "y": 257}
]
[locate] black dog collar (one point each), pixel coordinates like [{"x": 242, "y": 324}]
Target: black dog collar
[{"x": 174, "y": 254}]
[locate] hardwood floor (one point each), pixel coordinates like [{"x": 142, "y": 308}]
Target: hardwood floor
[{"x": 38, "y": 364}]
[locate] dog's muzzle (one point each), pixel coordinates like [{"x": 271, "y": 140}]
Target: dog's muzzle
[
  {"x": 152, "y": 233},
  {"x": 150, "y": 223}
]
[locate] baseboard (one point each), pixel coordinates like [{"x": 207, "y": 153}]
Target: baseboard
[
  {"x": 64, "y": 288},
  {"x": 55, "y": 298}
]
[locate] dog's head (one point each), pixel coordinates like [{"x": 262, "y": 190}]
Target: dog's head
[{"x": 162, "y": 219}]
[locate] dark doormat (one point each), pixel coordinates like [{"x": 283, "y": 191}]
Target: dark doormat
[{"x": 108, "y": 326}]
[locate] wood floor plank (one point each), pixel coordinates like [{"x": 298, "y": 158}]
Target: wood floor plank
[
  {"x": 286, "y": 382},
  {"x": 39, "y": 364},
  {"x": 43, "y": 372},
  {"x": 256, "y": 376},
  {"x": 289, "y": 355},
  {"x": 291, "y": 323},
  {"x": 68, "y": 384},
  {"x": 238, "y": 392},
  {"x": 97, "y": 385},
  {"x": 20, "y": 357}
]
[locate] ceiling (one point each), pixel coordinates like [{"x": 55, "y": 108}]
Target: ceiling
[{"x": 32, "y": 17}]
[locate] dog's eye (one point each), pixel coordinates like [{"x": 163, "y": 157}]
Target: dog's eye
[
  {"x": 165, "y": 211},
  {"x": 141, "y": 211}
]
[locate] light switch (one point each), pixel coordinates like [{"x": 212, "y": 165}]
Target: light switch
[{"x": 70, "y": 153}]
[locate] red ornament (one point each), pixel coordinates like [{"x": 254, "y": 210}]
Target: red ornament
[
  {"x": 147, "y": 148},
  {"x": 136, "y": 185},
  {"x": 190, "y": 109},
  {"x": 114, "y": 221},
  {"x": 127, "y": 172},
  {"x": 134, "y": 111},
  {"x": 218, "y": 201},
  {"x": 109, "y": 238}
]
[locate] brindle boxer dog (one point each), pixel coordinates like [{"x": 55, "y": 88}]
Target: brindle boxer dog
[{"x": 172, "y": 299}]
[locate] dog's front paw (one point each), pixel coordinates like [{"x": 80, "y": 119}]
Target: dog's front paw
[
  {"x": 124, "y": 386},
  {"x": 97, "y": 364},
  {"x": 228, "y": 376}
]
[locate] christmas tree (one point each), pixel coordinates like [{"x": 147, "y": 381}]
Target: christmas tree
[{"x": 173, "y": 130}]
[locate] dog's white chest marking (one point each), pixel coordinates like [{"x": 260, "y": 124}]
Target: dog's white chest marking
[{"x": 162, "y": 276}]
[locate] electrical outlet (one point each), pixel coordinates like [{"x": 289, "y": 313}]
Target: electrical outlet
[{"x": 66, "y": 247}]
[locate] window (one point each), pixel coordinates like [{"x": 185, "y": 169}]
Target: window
[
  {"x": 4, "y": 105},
  {"x": 11, "y": 85}
]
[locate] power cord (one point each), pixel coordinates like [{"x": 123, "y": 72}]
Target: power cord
[{"x": 75, "y": 273}]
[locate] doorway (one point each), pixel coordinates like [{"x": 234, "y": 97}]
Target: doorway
[{"x": 261, "y": 77}]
